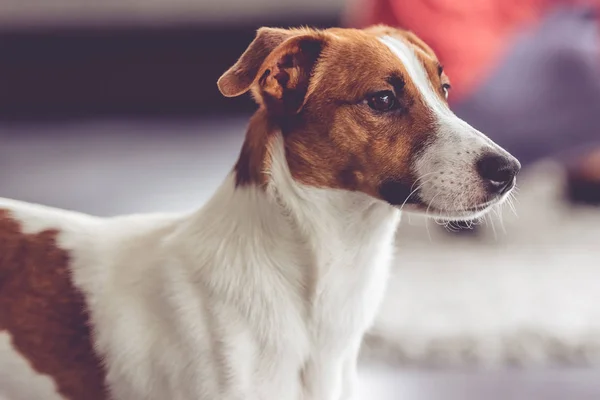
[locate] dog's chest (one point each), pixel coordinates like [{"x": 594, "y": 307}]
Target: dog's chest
[
  {"x": 245, "y": 322},
  {"x": 347, "y": 297}
]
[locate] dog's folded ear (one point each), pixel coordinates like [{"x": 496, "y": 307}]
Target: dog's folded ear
[
  {"x": 238, "y": 79},
  {"x": 277, "y": 66}
]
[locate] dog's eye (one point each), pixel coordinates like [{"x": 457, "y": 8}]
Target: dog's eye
[{"x": 382, "y": 101}]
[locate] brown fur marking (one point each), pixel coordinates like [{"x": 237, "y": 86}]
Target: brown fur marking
[
  {"x": 44, "y": 313},
  {"x": 332, "y": 138},
  {"x": 254, "y": 158}
]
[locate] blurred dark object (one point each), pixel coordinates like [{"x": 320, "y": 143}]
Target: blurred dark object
[
  {"x": 583, "y": 183},
  {"x": 543, "y": 99},
  {"x": 115, "y": 71}
]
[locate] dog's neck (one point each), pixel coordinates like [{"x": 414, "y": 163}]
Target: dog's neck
[
  {"x": 304, "y": 268},
  {"x": 322, "y": 225}
]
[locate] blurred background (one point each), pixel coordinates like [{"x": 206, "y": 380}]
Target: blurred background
[{"x": 111, "y": 107}]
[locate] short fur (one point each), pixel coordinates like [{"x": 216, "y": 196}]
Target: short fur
[{"x": 267, "y": 290}]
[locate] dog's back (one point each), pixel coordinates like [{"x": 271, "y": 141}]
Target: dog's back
[
  {"x": 44, "y": 324},
  {"x": 50, "y": 263}
]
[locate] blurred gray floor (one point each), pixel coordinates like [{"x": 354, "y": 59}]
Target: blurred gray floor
[{"x": 110, "y": 168}]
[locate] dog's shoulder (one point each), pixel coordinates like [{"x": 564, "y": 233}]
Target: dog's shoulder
[
  {"x": 32, "y": 223},
  {"x": 33, "y": 234},
  {"x": 43, "y": 312}
]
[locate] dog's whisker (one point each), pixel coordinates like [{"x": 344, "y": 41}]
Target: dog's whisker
[
  {"x": 511, "y": 204},
  {"x": 413, "y": 192},
  {"x": 419, "y": 186},
  {"x": 493, "y": 227},
  {"x": 427, "y": 214},
  {"x": 498, "y": 211}
]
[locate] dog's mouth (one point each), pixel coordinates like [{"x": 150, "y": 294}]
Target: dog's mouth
[
  {"x": 416, "y": 205},
  {"x": 453, "y": 214}
]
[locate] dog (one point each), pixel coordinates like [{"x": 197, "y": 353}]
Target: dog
[{"x": 267, "y": 290}]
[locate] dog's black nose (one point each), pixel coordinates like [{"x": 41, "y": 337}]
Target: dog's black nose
[{"x": 498, "y": 172}]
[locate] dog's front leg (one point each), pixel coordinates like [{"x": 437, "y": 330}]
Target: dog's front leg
[
  {"x": 332, "y": 378},
  {"x": 349, "y": 375},
  {"x": 322, "y": 379}
]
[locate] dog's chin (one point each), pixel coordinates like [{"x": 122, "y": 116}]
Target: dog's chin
[{"x": 465, "y": 214}]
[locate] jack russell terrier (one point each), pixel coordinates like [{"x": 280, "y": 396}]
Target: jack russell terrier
[{"x": 266, "y": 291}]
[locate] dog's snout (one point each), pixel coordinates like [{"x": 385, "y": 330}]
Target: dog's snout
[{"x": 498, "y": 172}]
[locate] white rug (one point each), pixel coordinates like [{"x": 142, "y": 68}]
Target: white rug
[{"x": 527, "y": 294}]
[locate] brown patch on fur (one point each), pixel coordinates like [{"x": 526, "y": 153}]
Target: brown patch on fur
[
  {"x": 273, "y": 52},
  {"x": 279, "y": 64},
  {"x": 286, "y": 72},
  {"x": 44, "y": 313},
  {"x": 338, "y": 132},
  {"x": 238, "y": 79},
  {"x": 332, "y": 138},
  {"x": 254, "y": 159}
]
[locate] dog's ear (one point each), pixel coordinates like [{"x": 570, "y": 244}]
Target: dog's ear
[{"x": 280, "y": 63}]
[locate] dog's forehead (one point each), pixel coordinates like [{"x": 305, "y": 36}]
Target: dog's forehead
[
  {"x": 382, "y": 51},
  {"x": 412, "y": 41}
]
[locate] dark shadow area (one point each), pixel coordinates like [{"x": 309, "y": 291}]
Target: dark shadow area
[{"x": 113, "y": 71}]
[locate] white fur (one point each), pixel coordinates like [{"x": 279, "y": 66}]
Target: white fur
[
  {"x": 259, "y": 295},
  {"x": 448, "y": 180},
  {"x": 18, "y": 380}
]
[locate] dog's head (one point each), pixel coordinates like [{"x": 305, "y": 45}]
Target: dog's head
[{"x": 366, "y": 110}]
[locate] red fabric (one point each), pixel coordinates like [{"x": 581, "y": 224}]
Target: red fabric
[{"x": 469, "y": 36}]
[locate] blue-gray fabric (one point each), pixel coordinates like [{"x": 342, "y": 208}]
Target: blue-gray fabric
[{"x": 544, "y": 98}]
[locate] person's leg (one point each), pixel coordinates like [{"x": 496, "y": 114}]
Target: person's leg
[
  {"x": 583, "y": 179},
  {"x": 544, "y": 98}
]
